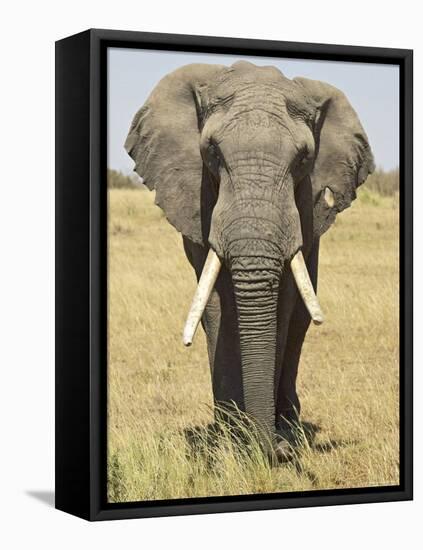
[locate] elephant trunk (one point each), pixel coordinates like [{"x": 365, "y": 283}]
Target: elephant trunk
[
  {"x": 256, "y": 294},
  {"x": 208, "y": 278}
]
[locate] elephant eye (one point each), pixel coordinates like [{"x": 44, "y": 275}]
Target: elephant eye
[
  {"x": 304, "y": 156},
  {"x": 302, "y": 162},
  {"x": 213, "y": 157},
  {"x": 213, "y": 150}
]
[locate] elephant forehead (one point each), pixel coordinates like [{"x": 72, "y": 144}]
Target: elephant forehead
[
  {"x": 259, "y": 87},
  {"x": 257, "y": 80}
]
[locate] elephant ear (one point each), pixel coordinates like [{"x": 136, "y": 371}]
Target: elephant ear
[
  {"x": 163, "y": 141},
  {"x": 343, "y": 155}
]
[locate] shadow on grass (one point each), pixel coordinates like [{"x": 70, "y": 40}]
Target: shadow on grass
[
  {"x": 203, "y": 440},
  {"x": 331, "y": 445},
  {"x": 199, "y": 437},
  {"x": 310, "y": 430}
]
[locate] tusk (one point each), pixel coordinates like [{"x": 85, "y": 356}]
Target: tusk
[
  {"x": 329, "y": 197},
  {"x": 201, "y": 297},
  {"x": 302, "y": 278}
]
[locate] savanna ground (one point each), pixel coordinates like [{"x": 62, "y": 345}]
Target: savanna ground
[{"x": 348, "y": 376}]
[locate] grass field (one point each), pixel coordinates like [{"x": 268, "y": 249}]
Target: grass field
[{"x": 348, "y": 378}]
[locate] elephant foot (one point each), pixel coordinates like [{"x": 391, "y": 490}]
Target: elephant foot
[
  {"x": 285, "y": 445},
  {"x": 283, "y": 451}
]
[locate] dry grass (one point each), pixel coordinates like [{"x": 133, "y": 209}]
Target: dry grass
[
  {"x": 348, "y": 381},
  {"x": 384, "y": 183}
]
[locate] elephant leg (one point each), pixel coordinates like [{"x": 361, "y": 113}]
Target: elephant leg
[
  {"x": 287, "y": 401},
  {"x": 220, "y": 325}
]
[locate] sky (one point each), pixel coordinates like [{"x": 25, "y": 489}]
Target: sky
[{"x": 372, "y": 89}]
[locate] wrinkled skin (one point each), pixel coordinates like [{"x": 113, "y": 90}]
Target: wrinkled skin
[{"x": 240, "y": 158}]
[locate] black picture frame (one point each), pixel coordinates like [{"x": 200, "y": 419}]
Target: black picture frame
[{"x": 81, "y": 273}]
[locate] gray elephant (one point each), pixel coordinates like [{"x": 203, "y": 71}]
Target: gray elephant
[{"x": 252, "y": 168}]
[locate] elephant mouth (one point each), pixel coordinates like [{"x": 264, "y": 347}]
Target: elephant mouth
[{"x": 208, "y": 278}]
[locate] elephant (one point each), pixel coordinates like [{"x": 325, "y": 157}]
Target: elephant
[{"x": 251, "y": 167}]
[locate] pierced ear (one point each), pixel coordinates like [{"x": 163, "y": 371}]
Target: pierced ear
[
  {"x": 163, "y": 141},
  {"x": 343, "y": 155}
]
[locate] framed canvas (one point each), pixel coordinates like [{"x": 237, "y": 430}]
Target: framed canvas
[{"x": 203, "y": 186}]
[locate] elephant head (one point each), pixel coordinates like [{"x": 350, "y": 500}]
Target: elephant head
[{"x": 254, "y": 166}]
